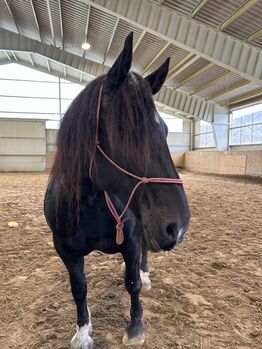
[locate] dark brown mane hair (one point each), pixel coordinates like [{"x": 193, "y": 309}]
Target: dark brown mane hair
[{"x": 128, "y": 116}]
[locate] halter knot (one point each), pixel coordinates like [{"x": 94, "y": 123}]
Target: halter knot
[
  {"x": 119, "y": 232},
  {"x": 144, "y": 180}
]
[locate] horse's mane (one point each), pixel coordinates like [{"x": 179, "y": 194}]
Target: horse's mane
[{"x": 129, "y": 121}]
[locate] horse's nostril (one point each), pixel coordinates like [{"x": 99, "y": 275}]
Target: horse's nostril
[{"x": 172, "y": 230}]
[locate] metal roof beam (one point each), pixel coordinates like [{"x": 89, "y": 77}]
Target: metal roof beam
[
  {"x": 236, "y": 14},
  {"x": 12, "y": 15},
  {"x": 10, "y": 41},
  {"x": 87, "y": 25},
  {"x": 191, "y": 105},
  {"x": 13, "y": 54},
  {"x": 48, "y": 65},
  {"x": 184, "y": 60},
  {"x": 211, "y": 83},
  {"x": 7, "y": 55},
  {"x": 228, "y": 89},
  {"x": 174, "y": 73},
  {"x": 36, "y": 20},
  {"x": 61, "y": 23},
  {"x": 252, "y": 100},
  {"x": 156, "y": 57},
  {"x": 187, "y": 34},
  {"x": 244, "y": 97},
  {"x": 51, "y": 21},
  {"x": 139, "y": 40},
  {"x": 111, "y": 40},
  {"x": 254, "y": 35},
  {"x": 31, "y": 59},
  {"x": 198, "y": 7},
  {"x": 197, "y": 73}
]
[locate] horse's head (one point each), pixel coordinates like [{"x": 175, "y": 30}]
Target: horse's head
[{"x": 133, "y": 134}]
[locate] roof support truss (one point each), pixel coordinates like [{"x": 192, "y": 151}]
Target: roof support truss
[
  {"x": 174, "y": 72},
  {"x": 228, "y": 89},
  {"x": 198, "y": 7},
  {"x": 188, "y": 35},
  {"x": 87, "y": 25},
  {"x": 189, "y": 105},
  {"x": 12, "y": 15},
  {"x": 139, "y": 40},
  {"x": 254, "y": 35},
  {"x": 237, "y": 13},
  {"x": 211, "y": 83},
  {"x": 61, "y": 23},
  {"x": 111, "y": 40},
  {"x": 156, "y": 57},
  {"x": 36, "y": 20},
  {"x": 246, "y": 96},
  {"x": 197, "y": 73},
  {"x": 51, "y": 21},
  {"x": 31, "y": 59}
]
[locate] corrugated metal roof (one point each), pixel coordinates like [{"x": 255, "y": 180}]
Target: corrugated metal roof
[
  {"x": 181, "y": 6},
  {"x": 148, "y": 48},
  {"x": 123, "y": 29},
  {"x": 247, "y": 23},
  {"x": 175, "y": 53},
  {"x": 204, "y": 78},
  {"x": 214, "y": 12},
  {"x": 106, "y": 33},
  {"x": 222, "y": 85},
  {"x": 194, "y": 67},
  {"x": 226, "y": 98}
]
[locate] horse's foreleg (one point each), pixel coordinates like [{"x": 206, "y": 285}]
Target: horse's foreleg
[
  {"x": 75, "y": 267},
  {"x": 135, "y": 335},
  {"x": 144, "y": 273}
]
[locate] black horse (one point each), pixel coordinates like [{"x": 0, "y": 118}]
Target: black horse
[{"x": 114, "y": 114}]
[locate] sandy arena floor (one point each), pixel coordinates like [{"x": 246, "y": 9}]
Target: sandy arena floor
[{"x": 205, "y": 295}]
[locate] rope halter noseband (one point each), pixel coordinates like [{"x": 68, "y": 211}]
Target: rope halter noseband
[{"x": 141, "y": 180}]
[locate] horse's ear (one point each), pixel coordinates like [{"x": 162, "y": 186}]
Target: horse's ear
[
  {"x": 122, "y": 65},
  {"x": 158, "y": 77}
]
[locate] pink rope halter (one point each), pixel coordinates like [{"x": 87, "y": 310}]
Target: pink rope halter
[{"x": 141, "y": 180}]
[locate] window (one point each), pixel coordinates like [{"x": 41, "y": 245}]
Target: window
[
  {"x": 27, "y": 93},
  {"x": 204, "y": 137},
  {"x": 246, "y": 125}
]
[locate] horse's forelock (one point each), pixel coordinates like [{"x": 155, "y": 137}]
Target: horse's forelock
[{"x": 130, "y": 125}]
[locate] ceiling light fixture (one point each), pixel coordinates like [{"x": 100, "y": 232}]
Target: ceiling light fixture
[{"x": 86, "y": 46}]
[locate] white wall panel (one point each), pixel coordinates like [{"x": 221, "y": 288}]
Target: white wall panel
[
  {"x": 16, "y": 128},
  {"x": 22, "y": 145},
  {"x": 178, "y": 141},
  {"x": 50, "y": 140},
  {"x": 22, "y": 163}
]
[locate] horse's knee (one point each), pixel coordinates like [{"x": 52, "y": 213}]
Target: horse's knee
[{"x": 133, "y": 287}]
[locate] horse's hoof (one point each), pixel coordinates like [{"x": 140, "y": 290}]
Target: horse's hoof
[
  {"x": 145, "y": 280},
  {"x": 136, "y": 341},
  {"x": 82, "y": 339}
]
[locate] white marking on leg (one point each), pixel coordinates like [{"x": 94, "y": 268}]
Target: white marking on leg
[
  {"x": 145, "y": 280},
  {"x": 82, "y": 339},
  {"x": 134, "y": 341},
  {"x": 123, "y": 267}
]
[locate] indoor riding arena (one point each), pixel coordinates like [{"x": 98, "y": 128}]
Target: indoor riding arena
[{"x": 206, "y": 291}]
